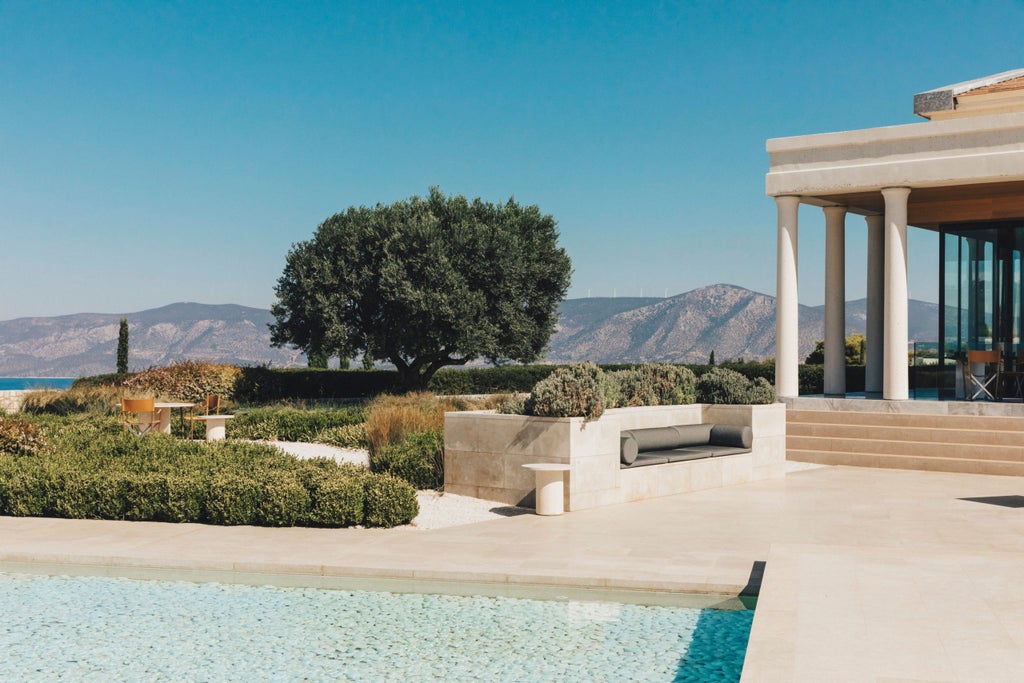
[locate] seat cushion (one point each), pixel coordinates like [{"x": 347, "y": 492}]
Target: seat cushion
[
  {"x": 733, "y": 436},
  {"x": 654, "y": 438},
  {"x": 644, "y": 460},
  {"x": 628, "y": 449},
  {"x": 693, "y": 435}
]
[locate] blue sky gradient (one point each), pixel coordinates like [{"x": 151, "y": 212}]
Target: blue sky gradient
[{"x": 153, "y": 153}]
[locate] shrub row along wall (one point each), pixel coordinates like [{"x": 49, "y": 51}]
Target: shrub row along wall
[{"x": 261, "y": 384}]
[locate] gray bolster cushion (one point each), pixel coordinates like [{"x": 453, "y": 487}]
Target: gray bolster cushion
[
  {"x": 692, "y": 435},
  {"x": 628, "y": 449},
  {"x": 735, "y": 436},
  {"x": 655, "y": 438}
]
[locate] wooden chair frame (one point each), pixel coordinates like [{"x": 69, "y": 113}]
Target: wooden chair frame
[
  {"x": 211, "y": 407},
  {"x": 140, "y": 416}
]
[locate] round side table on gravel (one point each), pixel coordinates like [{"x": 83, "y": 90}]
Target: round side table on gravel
[{"x": 550, "y": 487}]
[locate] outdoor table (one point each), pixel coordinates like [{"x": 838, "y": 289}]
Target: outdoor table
[
  {"x": 216, "y": 426},
  {"x": 165, "y": 408}
]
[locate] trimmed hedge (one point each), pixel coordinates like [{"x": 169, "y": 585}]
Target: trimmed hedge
[
  {"x": 262, "y": 385},
  {"x": 96, "y": 472}
]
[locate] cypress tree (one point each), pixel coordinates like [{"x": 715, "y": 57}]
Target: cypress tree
[{"x": 122, "y": 348}]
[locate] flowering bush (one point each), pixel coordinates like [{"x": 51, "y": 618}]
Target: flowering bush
[
  {"x": 18, "y": 436},
  {"x": 186, "y": 380}
]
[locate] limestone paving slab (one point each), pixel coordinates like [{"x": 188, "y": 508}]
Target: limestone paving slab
[{"x": 867, "y": 574}]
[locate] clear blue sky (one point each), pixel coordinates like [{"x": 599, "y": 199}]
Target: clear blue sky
[{"x": 154, "y": 153}]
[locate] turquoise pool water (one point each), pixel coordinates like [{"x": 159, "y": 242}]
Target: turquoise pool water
[{"x": 101, "y": 629}]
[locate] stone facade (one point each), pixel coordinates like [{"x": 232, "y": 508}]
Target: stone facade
[{"x": 485, "y": 453}]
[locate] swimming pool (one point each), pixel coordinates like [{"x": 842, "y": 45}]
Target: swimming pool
[{"x": 88, "y": 628}]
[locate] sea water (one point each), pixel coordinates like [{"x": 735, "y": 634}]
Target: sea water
[
  {"x": 20, "y": 383},
  {"x": 100, "y": 629}
]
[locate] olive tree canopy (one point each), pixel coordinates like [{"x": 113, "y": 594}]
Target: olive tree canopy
[{"x": 425, "y": 283}]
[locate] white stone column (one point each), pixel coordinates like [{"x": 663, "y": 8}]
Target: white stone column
[
  {"x": 895, "y": 379},
  {"x": 835, "y": 300},
  {"x": 875, "y": 328},
  {"x": 787, "y": 330}
]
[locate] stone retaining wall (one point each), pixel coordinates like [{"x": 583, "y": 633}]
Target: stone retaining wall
[
  {"x": 10, "y": 400},
  {"x": 485, "y": 453}
]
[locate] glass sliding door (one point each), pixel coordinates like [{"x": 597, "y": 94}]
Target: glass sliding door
[{"x": 981, "y": 299}]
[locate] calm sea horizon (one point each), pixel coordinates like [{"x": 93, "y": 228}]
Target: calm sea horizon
[{"x": 18, "y": 383}]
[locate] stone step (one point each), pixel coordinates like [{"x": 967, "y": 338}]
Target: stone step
[
  {"x": 971, "y": 422},
  {"x": 969, "y": 451},
  {"x": 986, "y": 437},
  {"x": 908, "y": 462}
]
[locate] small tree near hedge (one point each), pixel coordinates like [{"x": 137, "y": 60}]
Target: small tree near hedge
[{"x": 122, "y": 348}]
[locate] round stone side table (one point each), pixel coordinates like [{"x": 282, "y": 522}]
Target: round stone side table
[{"x": 550, "y": 496}]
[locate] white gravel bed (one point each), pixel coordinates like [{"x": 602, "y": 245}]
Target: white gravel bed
[
  {"x": 304, "y": 451},
  {"x": 442, "y": 510},
  {"x": 437, "y": 510}
]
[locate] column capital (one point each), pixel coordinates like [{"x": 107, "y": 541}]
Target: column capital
[
  {"x": 836, "y": 210},
  {"x": 787, "y": 199},
  {"x": 895, "y": 192}
]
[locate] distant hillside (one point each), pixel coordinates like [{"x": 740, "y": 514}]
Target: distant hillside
[
  {"x": 86, "y": 343},
  {"x": 735, "y": 322},
  {"x": 732, "y": 321}
]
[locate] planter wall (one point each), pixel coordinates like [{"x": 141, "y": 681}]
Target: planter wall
[{"x": 485, "y": 453}]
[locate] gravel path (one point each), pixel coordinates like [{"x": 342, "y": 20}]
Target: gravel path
[{"x": 437, "y": 510}]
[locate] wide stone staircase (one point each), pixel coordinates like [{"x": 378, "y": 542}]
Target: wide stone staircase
[{"x": 977, "y": 444}]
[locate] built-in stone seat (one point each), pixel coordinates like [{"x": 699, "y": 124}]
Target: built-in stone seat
[{"x": 680, "y": 443}]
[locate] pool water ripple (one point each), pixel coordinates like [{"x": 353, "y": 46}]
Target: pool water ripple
[{"x": 100, "y": 629}]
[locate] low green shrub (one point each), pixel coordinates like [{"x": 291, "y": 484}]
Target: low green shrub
[
  {"x": 418, "y": 459},
  {"x": 656, "y": 384},
  {"x": 573, "y": 391},
  {"x": 334, "y": 501},
  {"x": 515, "y": 405},
  {"x": 723, "y": 386},
  {"x": 390, "y": 501},
  {"x": 94, "y": 471},
  {"x": 345, "y": 436},
  {"x": 290, "y": 424},
  {"x": 761, "y": 392}
]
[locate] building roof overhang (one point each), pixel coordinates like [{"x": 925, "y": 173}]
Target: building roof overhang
[
  {"x": 968, "y": 168},
  {"x": 992, "y": 94}
]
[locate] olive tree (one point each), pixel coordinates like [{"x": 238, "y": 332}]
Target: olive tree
[{"x": 424, "y": 283}]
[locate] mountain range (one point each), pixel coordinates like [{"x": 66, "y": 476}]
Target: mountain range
[{"x": 732, "y": 321}]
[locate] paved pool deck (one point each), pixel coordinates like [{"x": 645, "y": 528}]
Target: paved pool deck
[{"x": 868, "y": 574}]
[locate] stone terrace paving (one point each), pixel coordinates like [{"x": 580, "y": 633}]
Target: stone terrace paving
[{"x": 870, "y": 575}]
